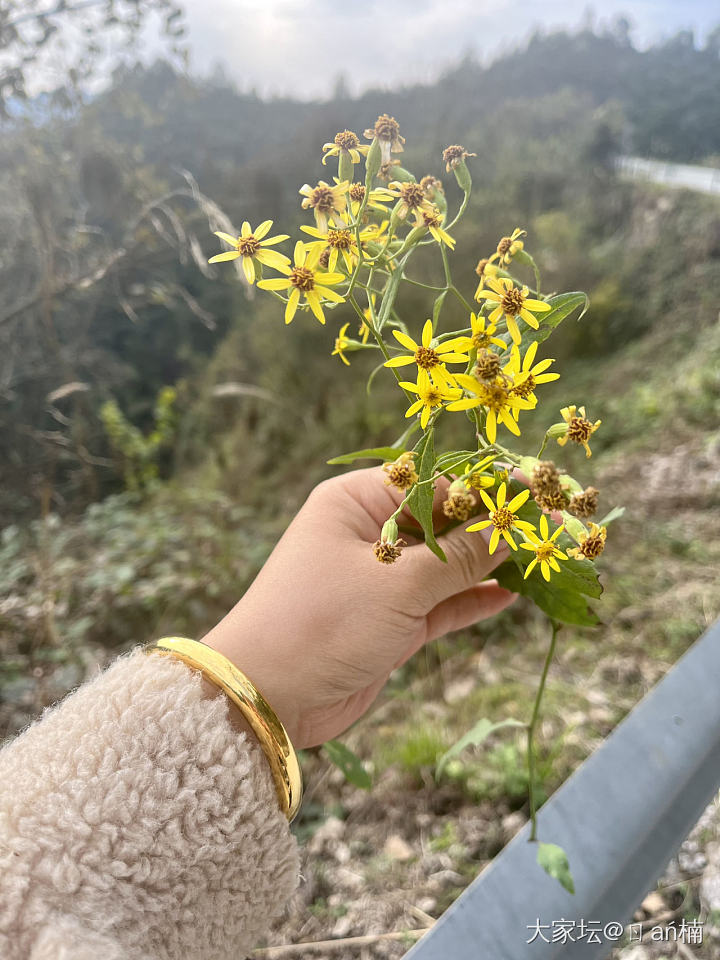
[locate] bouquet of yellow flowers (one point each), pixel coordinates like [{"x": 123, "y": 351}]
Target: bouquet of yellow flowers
[{"x": 359, "y": 252}]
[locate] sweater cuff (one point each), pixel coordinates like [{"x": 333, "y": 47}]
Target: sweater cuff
[{"x": 135, "y": 811}]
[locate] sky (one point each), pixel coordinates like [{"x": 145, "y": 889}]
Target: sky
[{"x": 301, "y": 46}]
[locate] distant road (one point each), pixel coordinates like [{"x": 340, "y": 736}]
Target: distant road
[{"x": 689, "y": 176}]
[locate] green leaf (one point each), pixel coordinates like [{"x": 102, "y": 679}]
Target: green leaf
[
  {"x": 371, "y": 453},
  {"x": 554, "y": 862},
  {"x": 473, "y": 738},
  {"x": 561, "y": 307},
  {"x": 614, "y": 514},
  {"x": 349, "y": 763},
  {"x": 420, "y": 501},
  {"x": 560, "y": 599}
]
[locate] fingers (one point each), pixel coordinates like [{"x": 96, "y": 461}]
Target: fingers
[
  {"x": 455, "y": 613},
  {"x": 468, "y": 562},
  {"x": 478, "y": 603}
]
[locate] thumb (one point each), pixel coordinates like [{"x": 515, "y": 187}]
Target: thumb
[{"x": 468, "y": 562}]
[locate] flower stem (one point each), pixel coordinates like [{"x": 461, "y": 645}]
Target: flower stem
[{"x": 531, "y": 732}]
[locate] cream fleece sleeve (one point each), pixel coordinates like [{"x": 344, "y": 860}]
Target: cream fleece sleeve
[{"x": 137, "y": 823}]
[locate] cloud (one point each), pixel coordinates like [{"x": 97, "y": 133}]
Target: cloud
[{"x": 301, "y": 46}]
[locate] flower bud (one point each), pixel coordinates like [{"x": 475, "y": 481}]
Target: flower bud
[
  {"x": 462, "y": 175},
  {"x": 389, "y": 532},
  {"x": 372, "y": 163},
  {"x": 345, "y": 167}
]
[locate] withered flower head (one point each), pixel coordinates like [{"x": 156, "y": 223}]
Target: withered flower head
[
  {"x": 401, "y": 473},
  {"x": 545, "y": 477},
  {"x": 459, "y": 505},
  {"x": 487, "y": 365},
  {"x": 552, "y": 500},
  {"x": 388, "y": 551},
  {"x": 386, "y": 171},
  {"x": 584, "y": 504},
  {"x": 387, "y": 131},
  {"x": 431, "y": 186},
  {"x": 454, "y": 155}
]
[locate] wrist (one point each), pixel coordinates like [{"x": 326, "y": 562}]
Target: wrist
[{"x": 231, "y": 638}]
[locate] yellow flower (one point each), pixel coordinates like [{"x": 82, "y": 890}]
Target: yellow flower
[
  {"x": 327, "y": 203},
  {"x": 377, "y": 199},
  {"x": 591, "y": 544},
  {"x": 412, "y": 198},
  {"x": 250, "y": 246},
  {"x": 512, "y": 302},
  {"x": 430, "y": 358},
  {"x": 496, "y": 396},
  {"x": 341, "y": 344},
  {"x": 579, "y": 429},
  {"x": 430, "y": 396},
  {"x": 433, "y": 222},
  {"x": 304, "y": 279},
  {"x": 483, "y": 334},
  {"x": 508, "y": 246},
  {"x": 525, "y": 376},
  {"x": 345, "y": 142},
  {"x": 546, "y": 551},
  {"x": 502, "y": 517},
  {"x": 341, "y": 241},
  {"x": 474, "y": 478}
]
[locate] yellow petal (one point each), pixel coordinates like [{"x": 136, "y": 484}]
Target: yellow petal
[{"x": 292, "y": 306}]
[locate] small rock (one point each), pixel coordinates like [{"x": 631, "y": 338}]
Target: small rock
[
  {"x": 342, "y": 853},
  {"x": 459, "y": 689},
  {"x": 511, "y": 823},
  {"x": 427, "y": 905},
  {"x": 332, "y": 830},
  {"x": 654, "y": 903},
  {"x": 446, "y": 878},
  {"x": 343, "y": 926},
  {"x": 397, "y": 849},
  {"x": 637, "y": 952}
]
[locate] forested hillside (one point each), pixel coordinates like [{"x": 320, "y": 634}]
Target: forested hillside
[{"x": 107, "y": 214}]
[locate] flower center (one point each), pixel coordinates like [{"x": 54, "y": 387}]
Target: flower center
[
  {"x": 413, "y": 195},
  {"x": 592, "y": 547},
  {"x": 431, "y": 219},
  {"x": 454, "y": 152},
  {"x": 480, "y": 268},
  {"x": 302, "y": 278},
  {"x": 386, "y": 128},
  {"x": 503, "y": 519},
  {"x": 579, "y": 429},
  {"x": 504, "y": 245},
  {"x": 512, "y": 301},
  {"x": 322, "y": 199},
  {"x": 432, "y": 398},
  {"x": 346, "y": 140},
  {"x": 426, "y": 358},
  {"x": 494, "y": 395},
  {"x": 248, "y": 246},
  {"x": 487, "y": 366},
  {"x": 526, "y": 387},
  {"x": 357, "y": 192},
  {"x": 341, "y": 239},
  {"x": 546, "y": 550}
]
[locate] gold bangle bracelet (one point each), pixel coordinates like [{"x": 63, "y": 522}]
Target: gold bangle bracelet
[{"x": 263, "y": 720}]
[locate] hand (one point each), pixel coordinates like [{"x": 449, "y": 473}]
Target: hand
[{"x": 324, "y": 623}]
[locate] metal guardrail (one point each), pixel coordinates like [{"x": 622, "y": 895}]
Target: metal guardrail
[
  {"x": 684, "y": 175},
  {"x": 620, "y": 818}
]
